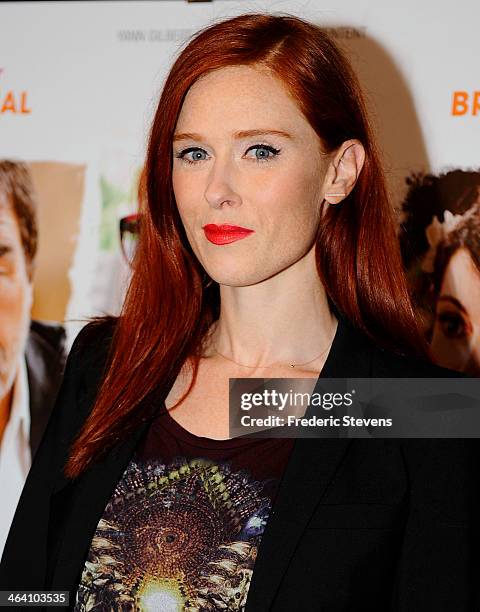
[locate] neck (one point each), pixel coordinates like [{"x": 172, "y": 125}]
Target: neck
[{"x": 284, "y": 319}]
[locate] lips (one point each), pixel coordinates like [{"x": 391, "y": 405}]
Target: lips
[{"x": 224, "y": 234}]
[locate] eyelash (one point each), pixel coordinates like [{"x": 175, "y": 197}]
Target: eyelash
[{"x": 181, "y": 154}]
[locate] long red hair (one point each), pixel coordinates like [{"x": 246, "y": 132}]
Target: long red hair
[{"x": 171, "y": 302}]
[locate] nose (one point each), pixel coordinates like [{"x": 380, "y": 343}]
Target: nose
[{"x": 220, "y": 188}]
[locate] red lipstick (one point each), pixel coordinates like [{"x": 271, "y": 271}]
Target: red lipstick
[{"x": 224, "y": 234}]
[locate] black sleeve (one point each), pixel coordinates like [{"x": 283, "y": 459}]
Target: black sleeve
[
  {"x": 23, "y": 564},
  {"x": 438, "y": 568}
]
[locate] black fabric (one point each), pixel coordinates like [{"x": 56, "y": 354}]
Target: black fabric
[
  {"x": 357, "y": 524},
  {"x": 45, "y": 357}
]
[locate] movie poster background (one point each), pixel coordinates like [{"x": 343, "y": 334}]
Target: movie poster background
[{"x": 79, "y": 82}]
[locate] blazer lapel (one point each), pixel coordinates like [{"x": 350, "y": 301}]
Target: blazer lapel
[
  {"x": 311, "y": 467},
  {"x": 45, "y": 358}
]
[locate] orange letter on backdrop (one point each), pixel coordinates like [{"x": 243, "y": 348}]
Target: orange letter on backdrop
[
  {"x": 460, "y": 100},
  {"x": 476, "y": 102},
  {"x": 8, "y": 103},
  {"x": 24, "y": 110}
]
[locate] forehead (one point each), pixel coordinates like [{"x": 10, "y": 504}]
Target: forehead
[
  {"x": 241, "y": 97},
  {"x": 462, "y": 281}
]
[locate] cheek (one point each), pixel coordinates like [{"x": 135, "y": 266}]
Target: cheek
[
  {"x": 291, "y": 203},
  {"x": 15, "y": 306},
  {"x": 450, "y": 352},
  {"x": 186, "y": 198},
  {"x": 187, "y": 188}
]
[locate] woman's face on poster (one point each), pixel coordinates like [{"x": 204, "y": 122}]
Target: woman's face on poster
[
  {"x": 245, "y": 155},
  {"x": 456, "y": 332}
]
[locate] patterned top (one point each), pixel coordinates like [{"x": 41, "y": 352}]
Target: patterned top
[{"x": 183, "y": 526}]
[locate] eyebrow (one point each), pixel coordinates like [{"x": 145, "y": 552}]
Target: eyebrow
[
  {"x": 454, "y": 301},
  {"x": 236, "y": 135}
]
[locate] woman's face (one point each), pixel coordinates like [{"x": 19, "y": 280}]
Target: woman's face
[
  {"x": 244, "y": 155},
  {"x": 456, "y": 332}
]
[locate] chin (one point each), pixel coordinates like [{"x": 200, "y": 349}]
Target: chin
[
  {"x": 233, "y": 281},
  {"x": 235, "y": 278}
]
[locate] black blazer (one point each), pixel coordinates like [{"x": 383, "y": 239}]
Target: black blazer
[
  {"x": 45, "y": 357},
  {"x": 358, "y": 524}
]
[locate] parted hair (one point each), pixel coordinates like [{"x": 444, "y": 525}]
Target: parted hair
[{"x": 171, "y": 302}]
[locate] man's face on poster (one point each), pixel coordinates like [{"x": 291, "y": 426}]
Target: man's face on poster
[{"x": 15, "y": 297}]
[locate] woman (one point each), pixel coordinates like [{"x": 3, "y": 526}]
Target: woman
[
  {"x": 138, "y": 497},
  {"x": 440, "y": 240},
  {"x": 453, "y": 263}
]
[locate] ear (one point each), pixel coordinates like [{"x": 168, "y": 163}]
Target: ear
[{"x": 343, "y": 171}]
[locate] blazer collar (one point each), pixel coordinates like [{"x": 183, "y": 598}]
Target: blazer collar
[
  {"x": 311, "y": 466},
  {"x": 45, "y": 358}
]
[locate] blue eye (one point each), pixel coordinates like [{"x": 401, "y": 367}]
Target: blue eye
[
  {"x": 264, "y": 152},
  {"x": 195, "y": 150},
  {"x": 265, "y": 157}
]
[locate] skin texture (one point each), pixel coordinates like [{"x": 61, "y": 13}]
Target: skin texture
[
  {"x": 273, "y": 309},
  {"x": 271, "y": 274},
  {"x": 456, "y": 333},
  {"x": 15, "y": 306}
]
